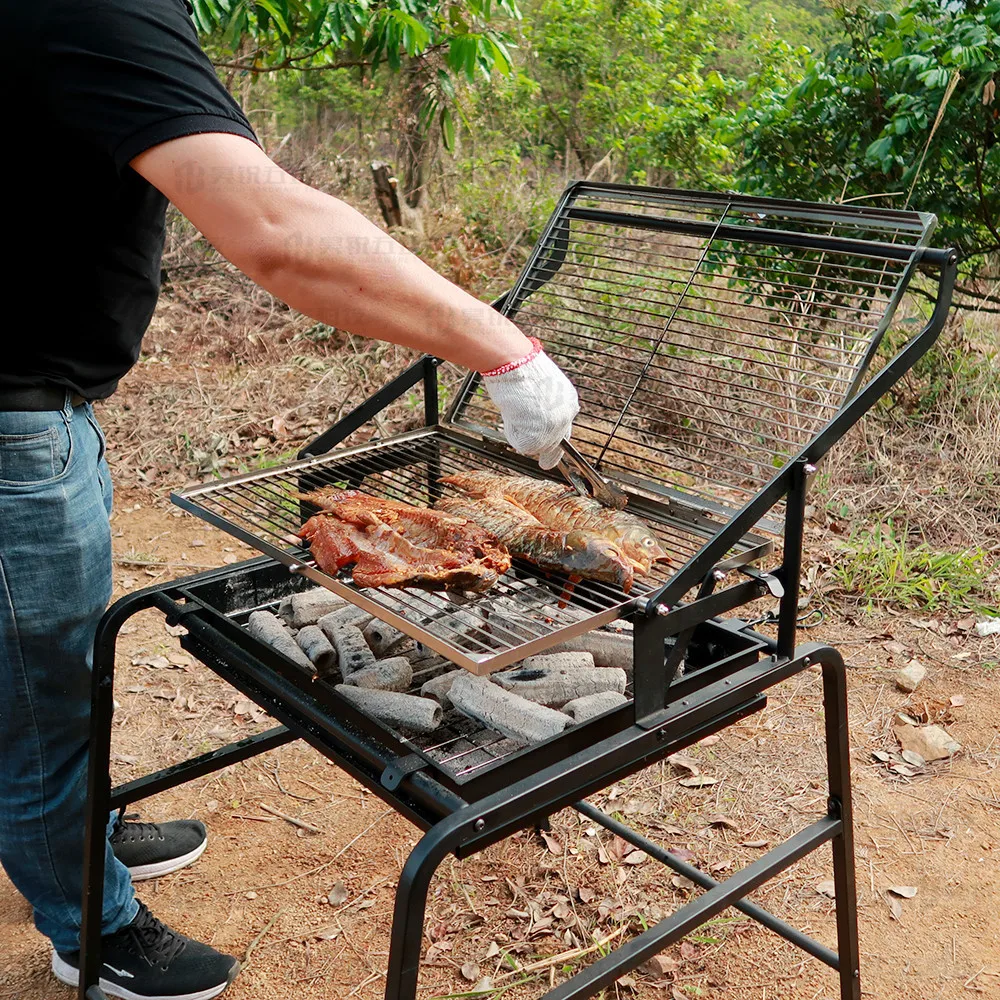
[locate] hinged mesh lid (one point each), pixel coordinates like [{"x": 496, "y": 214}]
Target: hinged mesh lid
[{"x": 710, "y": 336}]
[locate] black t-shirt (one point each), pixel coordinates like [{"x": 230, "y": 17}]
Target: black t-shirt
[{"x": 90, "y": 85}]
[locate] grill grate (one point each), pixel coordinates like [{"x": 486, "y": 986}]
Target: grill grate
[
  {"x": 709, "y": 336},
  {"x": 522, "y": 614}
]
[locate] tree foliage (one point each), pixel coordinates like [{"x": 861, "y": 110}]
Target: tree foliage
[
  {"x": 432, "y": 42},
  {"x": 904, "y": 112},
  {"x": 629, "y": 77}
]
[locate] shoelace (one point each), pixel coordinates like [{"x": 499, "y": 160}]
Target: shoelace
[
  {"x": 138, "y": 831},
  {"x": 157, "y": 943}
]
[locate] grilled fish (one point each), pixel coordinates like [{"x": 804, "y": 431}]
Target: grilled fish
[
  {"x": 392, "y": 544},
  {"x": 562, "y": 508},
  {"x": 576, "y": 553}
]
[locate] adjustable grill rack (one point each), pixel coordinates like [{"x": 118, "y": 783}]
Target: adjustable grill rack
[{"x": 721, "y": 346}]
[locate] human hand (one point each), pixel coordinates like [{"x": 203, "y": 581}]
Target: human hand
[{"x": 537, "y": 404}]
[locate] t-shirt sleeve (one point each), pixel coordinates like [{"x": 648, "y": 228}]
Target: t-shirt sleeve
[{"x": 124, "y": 76}]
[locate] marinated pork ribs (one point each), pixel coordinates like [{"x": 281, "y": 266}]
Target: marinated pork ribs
[{"x": 393, "y": 544}]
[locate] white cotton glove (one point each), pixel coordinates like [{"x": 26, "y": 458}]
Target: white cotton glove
[{"x": 537, "y": 403}]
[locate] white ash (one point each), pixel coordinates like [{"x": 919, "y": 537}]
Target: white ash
[
  {"x": 393, "y": 674},
  {"x": 505, "y": 712}
]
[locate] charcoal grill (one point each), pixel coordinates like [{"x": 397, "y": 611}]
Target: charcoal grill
[{"x": 721, "y": 345}]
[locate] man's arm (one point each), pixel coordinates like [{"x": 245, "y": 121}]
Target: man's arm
[
  {"x": 321, "y": 256},
  {"x": 327, "y": 260}
]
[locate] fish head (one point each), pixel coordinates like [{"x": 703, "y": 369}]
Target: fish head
[
  {"x": 597, "y": 559},
  {"x": 642, "y": 548}
]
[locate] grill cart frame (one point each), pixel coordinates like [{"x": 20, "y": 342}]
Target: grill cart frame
[{"x": 679, "y": 613}]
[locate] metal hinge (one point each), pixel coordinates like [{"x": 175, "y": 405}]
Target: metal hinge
[{"x": 401, "y": 768}]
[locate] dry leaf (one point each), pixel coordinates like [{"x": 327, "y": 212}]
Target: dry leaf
[
  {"x": 659, "y": 966},
  {"x": 688, "y": 950},
  {"x": 698, "y": 781},
  {"x": 895, "y": 907},
  {"x": 328, "y": 933},
  {"x": 602, "y": 855},
  {"x": 989, "y": 91},
  {"x": 635, "y": 858},
  {"x": 153, "y": 662},
  {"x": 684, "y": 762},
  {"x": 470, "y": 972},
  {"x": 957, "y": 700},
  {"x": 493, "y": 950},
  {"x": 709, "y": 741},
  {"x": 912, "y": 757},
  {"x": 551, "y": 843},
  {"x": 826, "y": 888},
  {"x": 337, "y": 895},
  {"x": 586, "y": 895},
  {"x": 483, "y": 986},
  {"x": 906, "y": 891},
  {"x": 882, "y": 756},
  {"x": 755, "y": 843},
  {"x": 721, "y": 821}
]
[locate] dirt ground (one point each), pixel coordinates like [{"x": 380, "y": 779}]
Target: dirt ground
[{"x": 310, "y": 913}]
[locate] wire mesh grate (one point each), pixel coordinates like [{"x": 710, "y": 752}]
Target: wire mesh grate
[
  {"x": 710, "y": 336},
  {"x": 524, "y": 613}
]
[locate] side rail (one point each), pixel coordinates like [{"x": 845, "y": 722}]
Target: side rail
[{"x": 791, "y": 477}]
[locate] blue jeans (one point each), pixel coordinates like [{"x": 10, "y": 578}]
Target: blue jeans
[{"x": 55, "y": 583}]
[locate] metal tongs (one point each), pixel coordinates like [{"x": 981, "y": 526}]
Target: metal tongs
[{"x": 587, "y": 481}]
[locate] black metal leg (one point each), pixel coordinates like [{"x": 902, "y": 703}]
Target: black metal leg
[
  {"x": 102, "y": 706},
  {"x": 839, "y": 770},
  {"x": 411, "y": 905}
]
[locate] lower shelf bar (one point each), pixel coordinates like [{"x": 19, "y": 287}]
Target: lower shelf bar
[
  {"x": 633, "y": 953},
  {"x": 768, "y": 920},
  {"x": 196, "y": 767}
]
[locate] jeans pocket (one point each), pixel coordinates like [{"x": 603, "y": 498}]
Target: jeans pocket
[
  {"x": 37, "y": 457},
  {"x": 98, "y": 430}
]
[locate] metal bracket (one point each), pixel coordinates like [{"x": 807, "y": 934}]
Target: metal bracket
[
  {"x": 401, "y": 768},
  {"x": 769, "y": 580}
]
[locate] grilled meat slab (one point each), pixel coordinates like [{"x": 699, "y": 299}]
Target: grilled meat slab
[
  {"x": 561, "y": 508},
  {"x": 576, "y": 553},
  {"x": 392, "y": 544}
]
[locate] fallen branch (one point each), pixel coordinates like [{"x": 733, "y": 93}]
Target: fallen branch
[
  {"x": 256, "y": 941},
  {"x": 301, "y": 824},
  {"x": 566, "y": 956}
]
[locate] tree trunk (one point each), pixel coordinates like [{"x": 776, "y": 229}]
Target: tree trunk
[
  {"x": 385, "y": 194},
  {"x": 416, "y": 145}
]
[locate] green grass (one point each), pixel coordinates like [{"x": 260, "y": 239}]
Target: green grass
[{"x": 882, "y": 566}]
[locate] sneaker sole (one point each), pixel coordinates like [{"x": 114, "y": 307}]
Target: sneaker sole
[
  {"x": 69, "y": 976},
  {"x": 142, "y": 872}
]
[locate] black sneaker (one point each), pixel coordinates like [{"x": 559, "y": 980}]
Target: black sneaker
[
  {"x": 149, "y": 850},
  {"x": 149, "y": 961}
]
